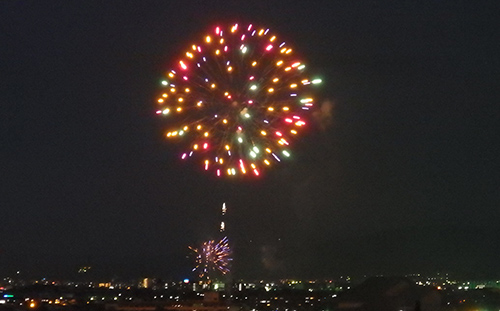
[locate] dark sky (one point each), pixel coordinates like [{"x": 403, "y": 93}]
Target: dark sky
[{"x": 404, "y": 180}]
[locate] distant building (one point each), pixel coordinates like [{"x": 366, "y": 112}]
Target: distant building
[
  {"x": 389, "y": 294},
  {"x": 146, "y": 283},
  {"x": 211, "y": 302}
]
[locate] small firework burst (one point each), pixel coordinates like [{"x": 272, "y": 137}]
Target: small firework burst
[{"x": 211, "y": 257}]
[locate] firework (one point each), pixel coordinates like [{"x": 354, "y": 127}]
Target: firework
[
  {"x": 236, "y": 100},
  {"x": 212, "y": 256},
  {"x": 222, "y": 227}
]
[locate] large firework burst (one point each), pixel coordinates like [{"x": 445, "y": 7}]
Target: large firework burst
[{"x": 236, "y": 100}]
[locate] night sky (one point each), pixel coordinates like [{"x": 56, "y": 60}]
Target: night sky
[{"x": 404, "y": 179}]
